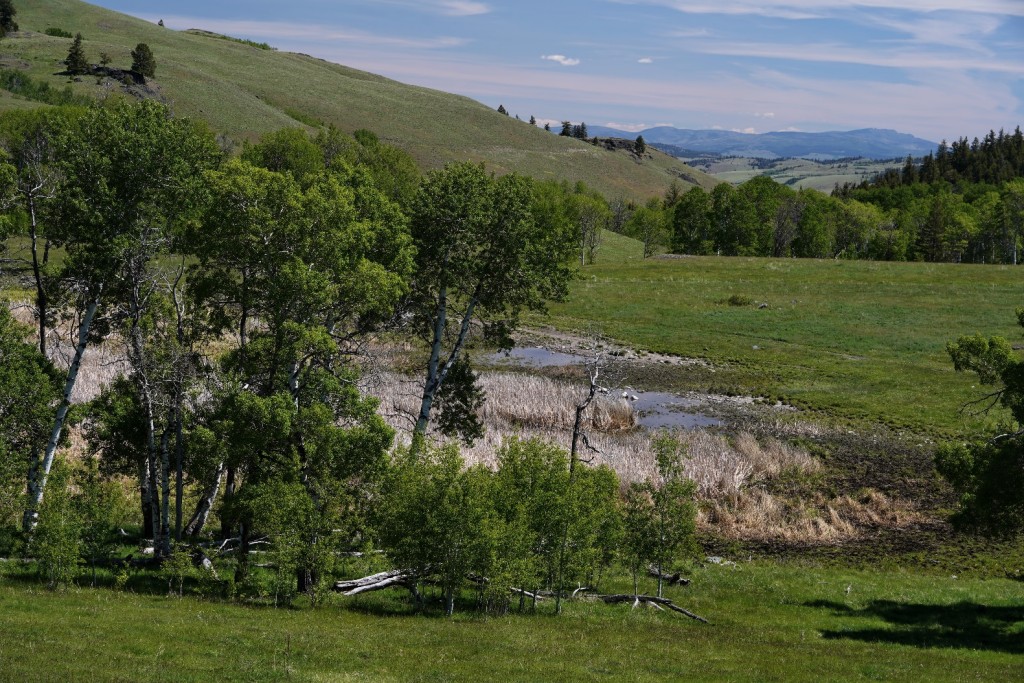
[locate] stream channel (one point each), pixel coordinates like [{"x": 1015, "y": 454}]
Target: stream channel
[{"x": 655, "y": 409}]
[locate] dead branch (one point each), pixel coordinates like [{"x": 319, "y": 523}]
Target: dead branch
[
  {"x": 648, "y": 599},
  {"x": 671, "y": 579}
]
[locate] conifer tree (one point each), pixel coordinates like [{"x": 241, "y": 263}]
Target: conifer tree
[
  {"x": 533, "y": 120},
  {"x": 75, "y": 62},
  {"x": 7, "y": 23},
  {"x": 640, "y": 146},
  {"x": 566, "y": 129},
  {"x": 143, "y": 62},
  {"x": 502, "y": 110}
]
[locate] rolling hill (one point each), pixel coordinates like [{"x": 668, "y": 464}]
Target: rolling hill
[
  {"x": 868, "y": 143},
  {"x": 244, "y": 91}
]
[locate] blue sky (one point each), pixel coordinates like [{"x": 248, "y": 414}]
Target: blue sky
[{"x": 934, "y": 68}]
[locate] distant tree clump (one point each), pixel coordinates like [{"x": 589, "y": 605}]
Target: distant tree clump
[
  {"x": 566, "y": 129},
  {"x": 640, "y": 146},
  {"x": 533, "y": 120},
  {"x": 7, "y": 23},
  {"x": 580, "y": 131},
  {"x": 502, "y": 110},
  {"x": 547, "y": 127},
  {"x": 58, "y": 33},
  {"x": 75, "y": 62},
  {"x": 143, "y": 62}
]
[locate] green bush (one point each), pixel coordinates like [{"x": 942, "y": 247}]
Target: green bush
[{"x": 58, "y": 33}]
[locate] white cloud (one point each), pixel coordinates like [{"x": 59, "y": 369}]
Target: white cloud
[
  {"x": 628, "y": 127},
  {"x": 462, "y": 8},
  {"x": 875, "y": 55},
  {"x": 645, "y": 60},
  {"x": 764, "y": 115},
  {"x": 275, "y": 32},
  {"x": 815, "y": 9},
  {"x": 561, "y": 59},
  {"x": 745, "y": 131}
]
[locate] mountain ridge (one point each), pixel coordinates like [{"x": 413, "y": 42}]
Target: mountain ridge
[{"x": 870, "y": 143}]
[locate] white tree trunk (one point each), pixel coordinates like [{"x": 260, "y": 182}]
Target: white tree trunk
[{"x": 38, "y": 487}]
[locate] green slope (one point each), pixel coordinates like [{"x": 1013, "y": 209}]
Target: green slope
[{"x": 244, "y": 91}]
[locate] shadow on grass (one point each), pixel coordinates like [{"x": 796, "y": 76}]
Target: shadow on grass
[{"x": 965, "y": 625}]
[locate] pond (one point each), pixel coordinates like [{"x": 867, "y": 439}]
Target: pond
[{"x": 655, "y": 409}]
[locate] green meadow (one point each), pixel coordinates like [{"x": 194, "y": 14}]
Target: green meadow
[
  {"x": 859, "y": 340},
  {"x": 768, "y": 622}
]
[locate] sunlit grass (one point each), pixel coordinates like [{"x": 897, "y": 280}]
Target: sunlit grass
[
  {"x": 856, "y": 339},
  {"x": 785, "y": 623}
]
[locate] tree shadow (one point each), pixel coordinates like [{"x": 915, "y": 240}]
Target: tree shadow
[{"x": 962, "y": 625}]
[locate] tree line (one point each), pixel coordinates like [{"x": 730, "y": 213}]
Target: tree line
[{"x": 241, "y": 293}]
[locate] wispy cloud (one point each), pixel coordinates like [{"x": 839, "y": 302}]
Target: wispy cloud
[
  {"x": 448, "y": 8},
  {"x": 562, "y": 59},
  {"x": 764, "y": 115},
  {"x": 872, "y": 55},
  {"x": 462, "y": 8},
  {"x": 275, "y": 32},
  {"x": 645, "y": 60},
  {"x": 628, "y": 127},
  {"x": 817, "y": 9}
]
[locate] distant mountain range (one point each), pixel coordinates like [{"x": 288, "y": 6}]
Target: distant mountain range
[{"x": 870, "y": 143}]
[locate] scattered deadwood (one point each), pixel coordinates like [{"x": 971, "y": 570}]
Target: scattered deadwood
[
  {"x": 405, "y": 578},
  {"x": 375, "y": 582},
  {"x": 655, "y": 601},
  {"x": 671, "y": 579}
]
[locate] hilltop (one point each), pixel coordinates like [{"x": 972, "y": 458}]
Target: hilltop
[
  {"x": 244, "y": 91},
  {"x": 869, "y": 143}
]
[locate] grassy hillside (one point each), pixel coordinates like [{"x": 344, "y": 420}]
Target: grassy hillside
[
  {"x": 858, "y": 339},
  {"x": 244, "y": 91}
]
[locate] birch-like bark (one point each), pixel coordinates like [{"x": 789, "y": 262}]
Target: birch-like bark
[
  {"x": 205, "y": 505},
  {"x": 38, "y": 488},
  {"x": 436, "y": 373}
]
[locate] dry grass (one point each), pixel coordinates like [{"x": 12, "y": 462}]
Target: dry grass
[
  {"x": 733, "y": 474},
  {"x": 101, "y": 364}
]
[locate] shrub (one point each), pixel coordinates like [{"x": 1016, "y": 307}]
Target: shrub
[{"x": 58, "y": 33}]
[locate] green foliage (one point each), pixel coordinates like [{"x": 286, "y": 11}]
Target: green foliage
[
  {"x": 287, "y": 151},
  {"x": 989, "y": 475},
  {"x": 480, "y": 252},
  {"x": 640, "y": 145},
  {"x": 56, "y": 543},
  {"x": 58, "y": 33},
  {"x": 7, "y": 14},
  {"x": 30, "y": 387},
  {"x": 143, "y": 61},
  {"x": 178, "y": 567},
  {"x": 76, "y": 63},
  {"x": 24, "y": 85},
  {"x": 102, "y": 507},
  {"x": 432, "y": 516}
]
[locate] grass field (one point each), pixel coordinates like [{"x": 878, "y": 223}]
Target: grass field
[
  {"x": 767, "y": 623},
  {"x": 244, "y": 92},
  {"x": 797, "y": 173},
  {"x": 856, "y": 339}
]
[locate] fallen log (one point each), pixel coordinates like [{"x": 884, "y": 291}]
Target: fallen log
[
  {"x": 676, "y": 579},
  {"x": 376, "y": 582},
  {"x": 648, "y": 599}
]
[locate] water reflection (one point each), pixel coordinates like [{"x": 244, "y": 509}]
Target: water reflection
[{"x": 655, "y": 409}]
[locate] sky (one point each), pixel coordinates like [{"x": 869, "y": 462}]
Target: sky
[{"x": 938, "y": 69}]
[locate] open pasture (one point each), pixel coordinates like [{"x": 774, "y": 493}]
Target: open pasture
[
  {"x": 854, "y": 339},
  {"x": 767, "y": 623}
]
